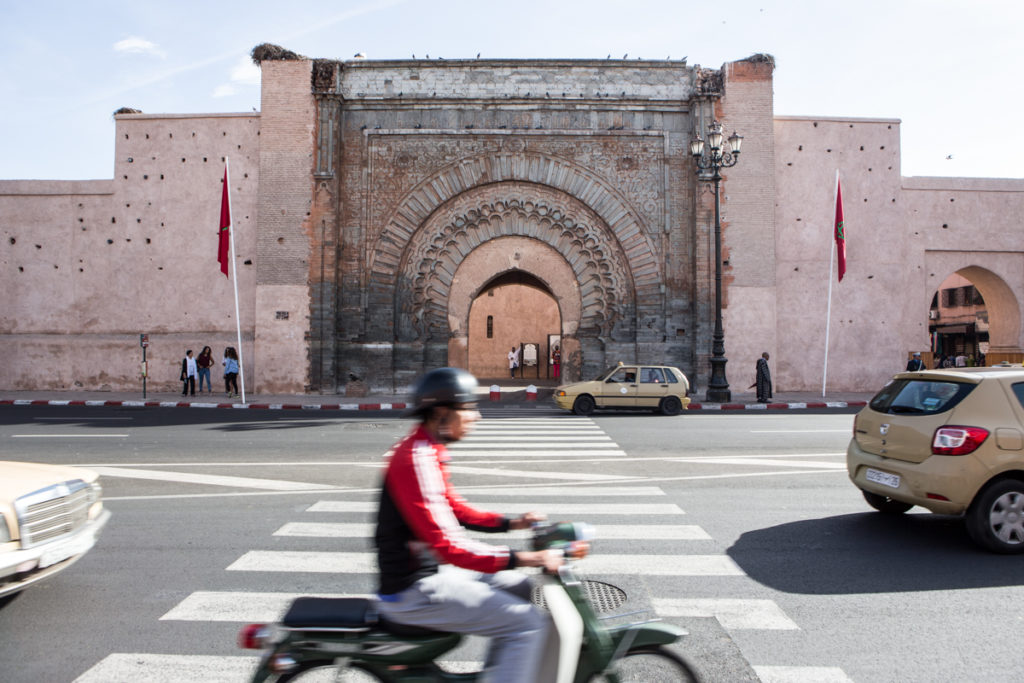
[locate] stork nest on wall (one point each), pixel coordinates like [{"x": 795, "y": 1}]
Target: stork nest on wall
[
  {"x": 268, "y": 52},
  {"x": 127, "y": 110}
]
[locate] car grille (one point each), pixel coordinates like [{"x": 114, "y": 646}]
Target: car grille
[{"x": 53, "y": 512}]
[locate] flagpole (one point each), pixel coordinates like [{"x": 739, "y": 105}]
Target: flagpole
[
  {"x": 234, "y": 280},
  {"x": 831, "y": 264}
]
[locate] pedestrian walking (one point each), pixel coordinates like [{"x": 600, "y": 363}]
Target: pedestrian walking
[
  {"x": 230, "y": 363},
  {"x": 763, "y": 379}
]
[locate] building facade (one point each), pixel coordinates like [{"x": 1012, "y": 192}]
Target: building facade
[{"x": 394, "y": 216}]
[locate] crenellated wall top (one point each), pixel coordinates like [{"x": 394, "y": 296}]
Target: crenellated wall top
[{"x": 530, "y": 79}]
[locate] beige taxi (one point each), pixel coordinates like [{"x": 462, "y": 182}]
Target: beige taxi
[
  {"x": 950, "y": 441},
  {"x": 661, "y": 388},
  {"x": 50, "y": 516}
]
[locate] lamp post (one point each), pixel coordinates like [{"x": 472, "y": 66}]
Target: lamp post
[{"x": 714, "y": 157}]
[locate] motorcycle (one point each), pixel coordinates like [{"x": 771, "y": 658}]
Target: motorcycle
[{"x": 344, "y": 639}]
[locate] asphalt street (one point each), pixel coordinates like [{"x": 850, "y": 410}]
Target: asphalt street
[{"x": 742, "y": 527}]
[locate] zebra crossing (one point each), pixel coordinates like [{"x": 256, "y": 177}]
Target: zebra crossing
[{"x": 343, "y": 524}]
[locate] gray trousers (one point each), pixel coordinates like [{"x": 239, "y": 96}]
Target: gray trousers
[{"x": 494, "y": 605}]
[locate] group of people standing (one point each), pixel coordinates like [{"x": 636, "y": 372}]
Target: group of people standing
[{"x": 191, "y": 368}]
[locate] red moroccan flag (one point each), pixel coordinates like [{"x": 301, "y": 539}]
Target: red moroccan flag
[
  {"x": 224, "y": 245},
  {"x": 840, "y": 234}
]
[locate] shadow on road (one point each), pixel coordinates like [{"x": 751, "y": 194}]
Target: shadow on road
[{"x": 872, "y": 553}]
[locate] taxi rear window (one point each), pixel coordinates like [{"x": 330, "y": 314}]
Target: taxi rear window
[{"x": 919, "y": 396}]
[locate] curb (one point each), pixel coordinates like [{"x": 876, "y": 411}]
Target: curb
[
  {"x": 776, "y": 406},
  {"x": 395, "y": 406},
  {"x": 186, "y": 404}
]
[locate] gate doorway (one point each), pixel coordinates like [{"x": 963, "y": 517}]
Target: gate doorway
[{"x": 512, "y": 309}]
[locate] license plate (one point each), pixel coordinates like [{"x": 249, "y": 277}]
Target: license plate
[
  {"x": 77, "y": 547},
  {"x": 883, "y": 478}
]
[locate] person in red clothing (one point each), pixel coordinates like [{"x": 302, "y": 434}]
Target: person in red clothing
[{"x": 423, "y": 551}]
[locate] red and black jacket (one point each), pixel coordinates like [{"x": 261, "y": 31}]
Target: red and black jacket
[{"x": 422, "y": 520}]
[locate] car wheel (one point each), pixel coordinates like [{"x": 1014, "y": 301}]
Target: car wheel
[
  {"x": 583, "y": 405},
  {"x": 671, "y": 405},
  {"x": 886, "y": 504},
  {"x": 995, "y": 519}
]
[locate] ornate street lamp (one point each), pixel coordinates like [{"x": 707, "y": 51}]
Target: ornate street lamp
[{"x": 714, "y": 157}]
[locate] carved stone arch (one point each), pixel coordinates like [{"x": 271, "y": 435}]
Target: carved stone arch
[
  {"x": 588, "y": 189},
  {"x": 542, "y": 221}
]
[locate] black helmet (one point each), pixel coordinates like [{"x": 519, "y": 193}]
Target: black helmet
[{"x": 443, "y": 387}]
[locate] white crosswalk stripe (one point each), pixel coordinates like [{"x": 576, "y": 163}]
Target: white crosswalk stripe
[
  {"x": 581, "y": 510},
  {"x": 605, "y": 532},
  {"x": 347, "y": 525}
]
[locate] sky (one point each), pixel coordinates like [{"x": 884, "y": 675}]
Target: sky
[{"x": 949, "y": 70}]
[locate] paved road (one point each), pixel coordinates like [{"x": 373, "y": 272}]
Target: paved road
[{"x": 742, "y": 527}]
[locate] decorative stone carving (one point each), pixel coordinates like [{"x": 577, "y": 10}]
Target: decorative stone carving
[{"x": 433, "y": 255}]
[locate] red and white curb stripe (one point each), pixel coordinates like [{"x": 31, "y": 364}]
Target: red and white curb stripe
[
  {"x": 392, "y": 406},
  {"x": 186, "y": 404},
  {"x": 776, "y": 406}
]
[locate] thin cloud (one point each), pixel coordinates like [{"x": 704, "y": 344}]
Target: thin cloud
[
  {"x": 368, "y": 8},
  {"x": 138, "y": 46}
]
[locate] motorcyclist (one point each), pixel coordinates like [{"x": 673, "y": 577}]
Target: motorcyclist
[{"x": 423, "y": 550}]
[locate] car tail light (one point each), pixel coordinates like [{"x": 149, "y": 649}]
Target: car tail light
[
  {"x": 253, "y": 637},
  {"x": 956, "y": 440}
]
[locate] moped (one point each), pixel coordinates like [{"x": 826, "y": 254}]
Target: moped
[{"x": 344, "y": 639}]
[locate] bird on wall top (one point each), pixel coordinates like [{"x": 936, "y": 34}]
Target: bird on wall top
[{"x": 625, "y": 55}]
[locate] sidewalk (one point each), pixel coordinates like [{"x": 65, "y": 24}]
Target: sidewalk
[{"x": 510, "y": 393}]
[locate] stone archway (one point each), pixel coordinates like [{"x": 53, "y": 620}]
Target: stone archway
[
  {"x": 502, "y": 256},
  {"x": 1003, "y": 308},
  {"x": 548, "y": 227}
]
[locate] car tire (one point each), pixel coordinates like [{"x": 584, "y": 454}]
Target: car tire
[
  {"x": 995, "y": 520},
  {"x": 671, "y": 405},
  {"x": 583, "y": 405},
  {"x": 886, "y": 505}
]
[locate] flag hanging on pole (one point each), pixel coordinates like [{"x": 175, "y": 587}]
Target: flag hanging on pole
[
  {"x": 223, "y": 246},
  {"x": 840, "y": 234}
]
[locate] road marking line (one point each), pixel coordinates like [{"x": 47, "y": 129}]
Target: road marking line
[
  {"x": 69, "y": 436},
  {"x": 366, "y": 563},
  {"x": 609, "y": 532},
  {"x": 210, "y": 479},
  {"x": 570, "y": 491},
  {"x": 574, "y": 443},
  {"x": 521, "y": 438},
  {"x": 136, "y": 666},
  {"x": 731, "y": 613},
  {"x": 240, "y": 606},
  {"x": 534, "y": 474},
  {"x": 562, "y": 452},
  {"x": 519, "y": 508},
  {"x": 79, "y": 419},
  {"x": 799, "y": 431},
  {"x": 764, "y": 462},
  {"x": 801, "y": 674}
]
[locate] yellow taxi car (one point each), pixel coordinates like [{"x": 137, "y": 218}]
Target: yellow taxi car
[
  {"x": 950, "y": 441},
  {"x": 655, "y": 387},
  {"x": 50, "y": 516}
]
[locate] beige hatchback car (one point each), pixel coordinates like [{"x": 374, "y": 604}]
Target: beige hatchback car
[
  {"x": 660, "y": 388},
  {"x": 951, "y": 441}
]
